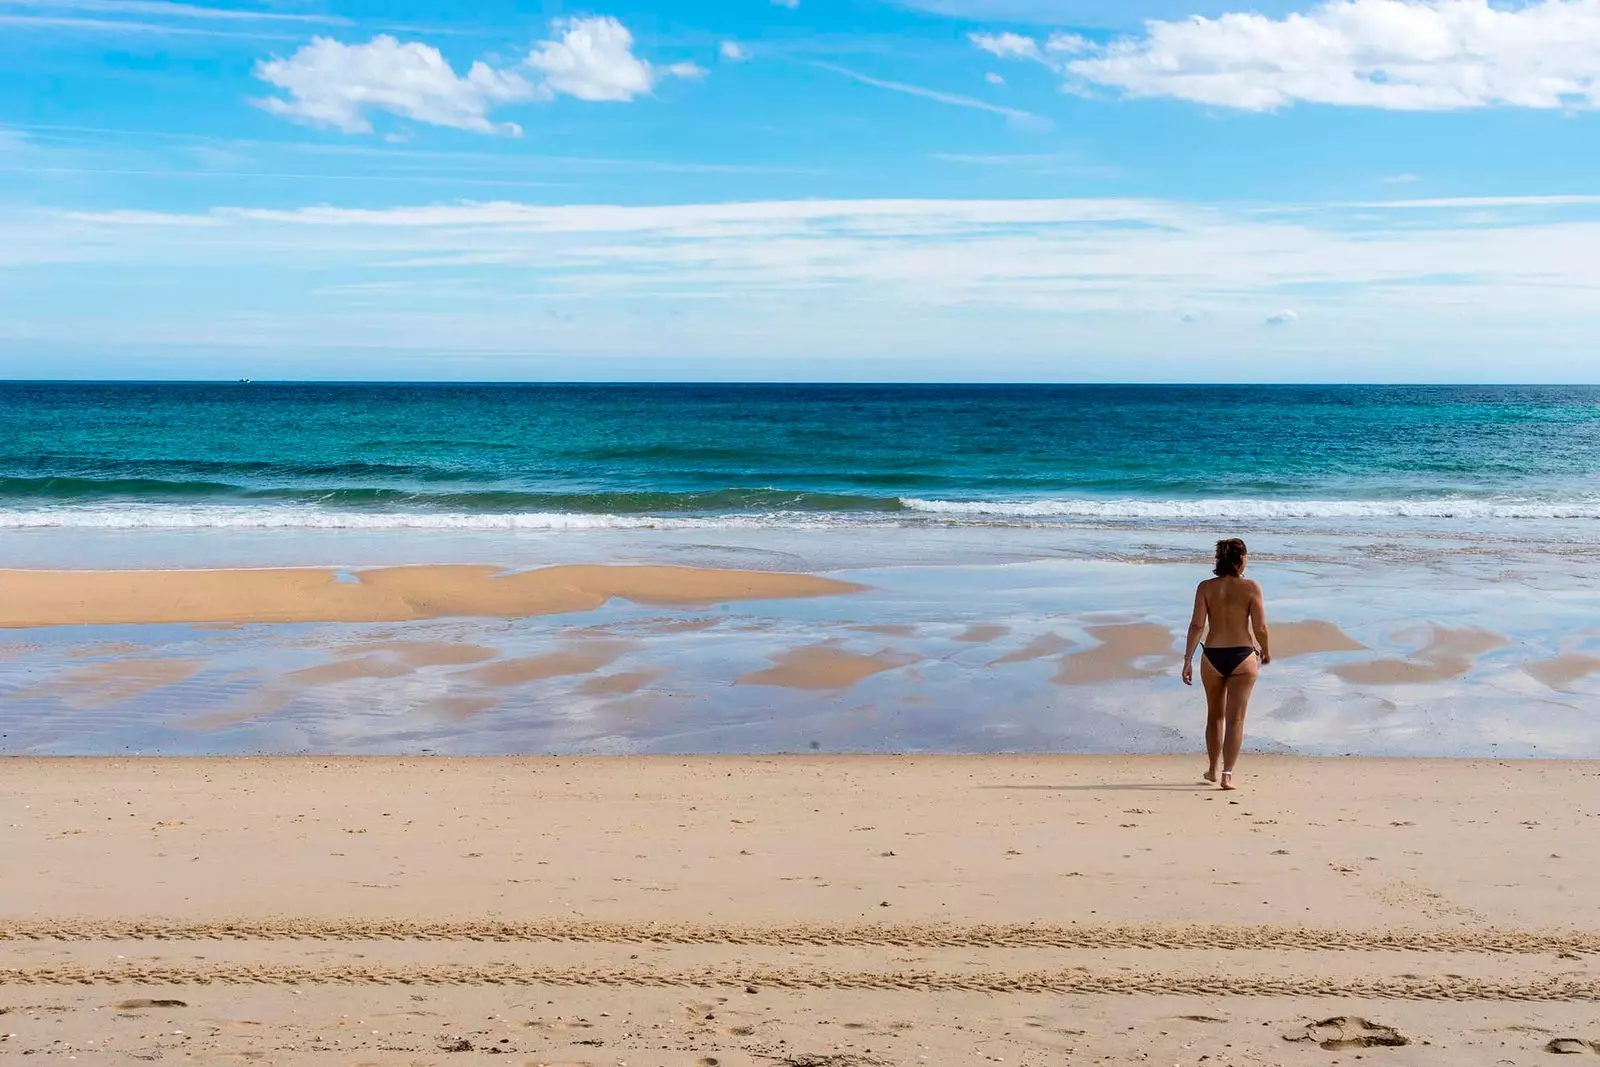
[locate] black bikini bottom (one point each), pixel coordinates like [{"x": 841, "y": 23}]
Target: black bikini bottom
[{"x": 1227, "y": 660}]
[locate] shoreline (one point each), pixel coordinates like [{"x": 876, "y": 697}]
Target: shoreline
[{"x": 782, "y": 654}]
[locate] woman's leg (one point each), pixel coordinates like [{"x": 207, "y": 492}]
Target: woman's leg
[
  {"x": 1215, "y": 686},
  {"x": 1236, "y": 701}
]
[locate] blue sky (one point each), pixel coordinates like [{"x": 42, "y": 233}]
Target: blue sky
[{"x": 1370, "y": 190}]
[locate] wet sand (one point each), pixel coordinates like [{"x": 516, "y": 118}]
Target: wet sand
[
  {"x": 824, "y": 667},
  {"x": 842, "y": 911},
  {"x": 389, "y": 594}
]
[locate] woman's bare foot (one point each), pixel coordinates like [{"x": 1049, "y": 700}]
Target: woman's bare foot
[
  {"x": 1210, "y": 775},
  {"x": 1227, "y": 781}
]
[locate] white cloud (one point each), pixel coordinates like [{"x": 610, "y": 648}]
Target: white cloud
[
  {"x": 994, "y": 79},
  {"x": 1006, "y": 45},
  {"x": 593, "y": 60},
  {"x": 1068, "y": 44},
  {"x": 1412, "y": 55},
  {"x": 733, "y": 52},
  {"x": 1282, "y": 318},
  {"x": 334, "y": 84}
]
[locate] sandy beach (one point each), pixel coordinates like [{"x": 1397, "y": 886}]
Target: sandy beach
[{"x": 797, "y": 910}]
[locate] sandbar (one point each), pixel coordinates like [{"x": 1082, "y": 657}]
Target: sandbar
[{"x": 387, "y": 594}]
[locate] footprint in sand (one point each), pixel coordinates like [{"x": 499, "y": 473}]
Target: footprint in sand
[
  {"x": 559, "y": 1025},
  {"x": 1344, "y": 1032},
  {"x": 1573, "y": 1046}
]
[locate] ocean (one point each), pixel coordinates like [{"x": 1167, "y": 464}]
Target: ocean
[
  {"x": 575, "y": 457},
  {"x": 1028, "y": 556}
]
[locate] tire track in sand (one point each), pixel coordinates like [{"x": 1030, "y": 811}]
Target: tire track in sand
[
  {"x": 915, "y": 935},
  {"x": 1061, "y": 981}
]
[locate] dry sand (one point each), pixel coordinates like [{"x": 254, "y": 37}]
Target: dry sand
[
  {"x": 826, "y": 912},
  {"x": 389, "y": 594}
]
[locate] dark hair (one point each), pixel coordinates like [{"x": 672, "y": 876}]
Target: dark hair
[{"x": 1230, "y": 558}]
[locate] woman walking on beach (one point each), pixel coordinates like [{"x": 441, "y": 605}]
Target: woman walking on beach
[{"x": 1230, "y": 616}]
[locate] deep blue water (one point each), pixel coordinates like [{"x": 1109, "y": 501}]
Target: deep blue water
[{"x": 593, "y": 455}]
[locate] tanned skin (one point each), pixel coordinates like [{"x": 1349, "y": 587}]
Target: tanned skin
[{"x": 1229, "y": 612}]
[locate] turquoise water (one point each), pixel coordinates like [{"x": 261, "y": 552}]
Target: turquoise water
[{"x": 578, "y": 457}]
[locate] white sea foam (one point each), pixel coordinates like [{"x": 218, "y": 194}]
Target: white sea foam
[
  {"x": 916, "y": 512},
  {"x": 1169, "y": 510},
  {"x": 155, "y": 517}
]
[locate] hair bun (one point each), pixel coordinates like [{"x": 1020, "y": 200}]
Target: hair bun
[{"x": 1230, "y": 558}]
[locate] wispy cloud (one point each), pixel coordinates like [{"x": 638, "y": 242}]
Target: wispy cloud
[
  {"x": 95, "y": 25},
  {"x": 1032, "y": 163},
  {"x": 171, "y": 9},
  {"x": 937, "y": 95},
  {"x": 910, "y": 276}
]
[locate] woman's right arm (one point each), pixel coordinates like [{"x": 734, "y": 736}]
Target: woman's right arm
[
  {"x": 1197, "y": 630},
  {"x": 1258, "y": 623}
]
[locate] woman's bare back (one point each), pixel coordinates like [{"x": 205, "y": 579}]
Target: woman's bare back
[{"x": 1232, "y": 612}]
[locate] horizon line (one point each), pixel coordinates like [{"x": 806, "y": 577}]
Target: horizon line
[{"x": 845, "y": 383}]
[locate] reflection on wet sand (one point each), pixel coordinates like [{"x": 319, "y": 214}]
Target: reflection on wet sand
[
  {"x": 887, "y": 629},
  {"x": 100, "y": 685},
  {"x": 346, "y": 670},
  {"x": 682, "y": 626},
  {"x": 576, "y": 659},
  {"x": 427, "y": 653},
  {"x": 982, "y": 633},
  {"x": 462, "y": 708},
  {"x": 620, "y": 684},
  {"x": 115, "y": 648},
  {"x": 258, "y": 705},
  {"x": 1041, "y": 647},
  {"x": 1565, "y": 669},
  {"x": 1449, "y": 654},
  {"x": 825, "y": 666},
  {"x": 1117, "y": 656}
]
